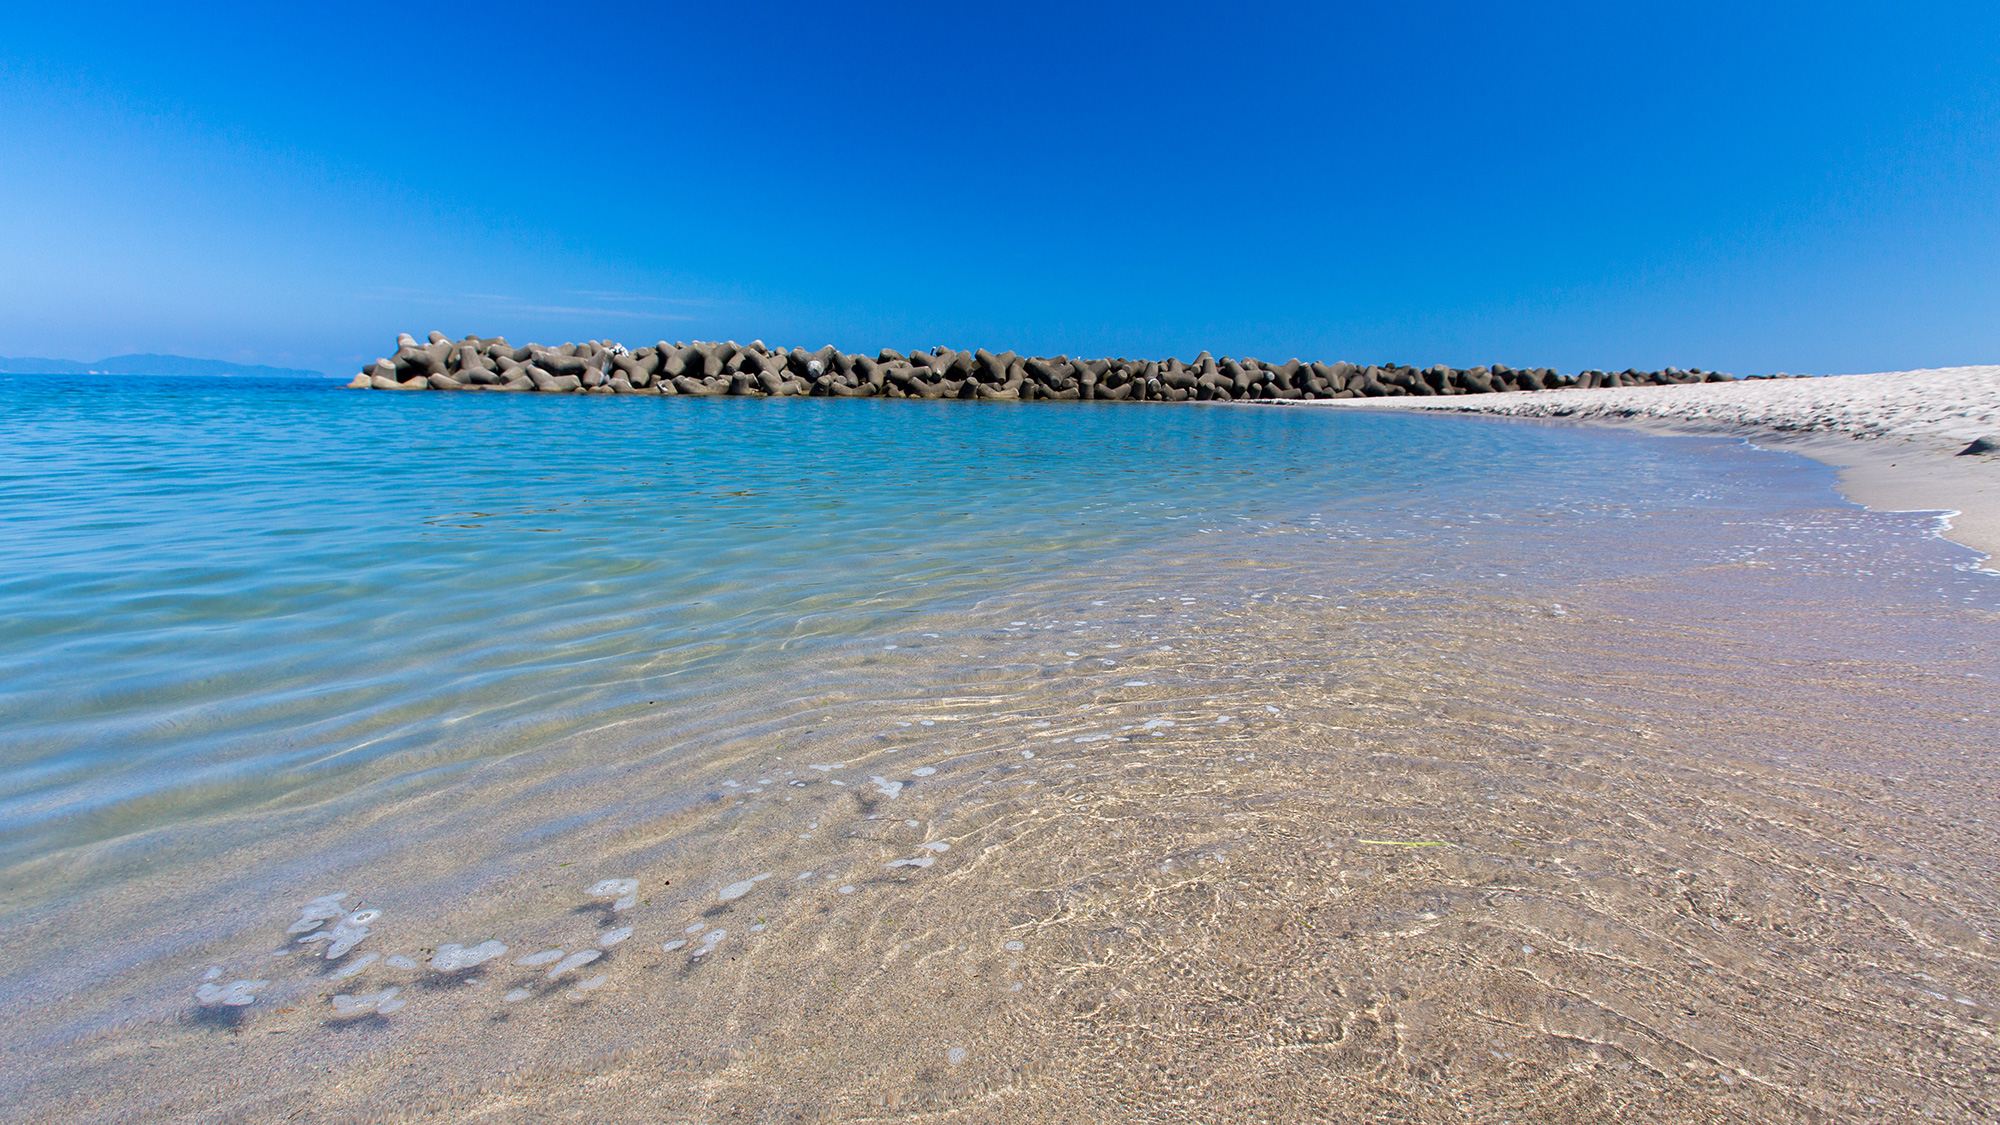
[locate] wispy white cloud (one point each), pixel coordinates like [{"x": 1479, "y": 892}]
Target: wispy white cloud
[
  {"x": 572, "y": 310},
  {"x": 503, "y": 303},
  {"x": 607, "y": 295}
]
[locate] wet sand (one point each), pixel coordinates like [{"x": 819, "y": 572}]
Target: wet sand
[
  {"x": 1236, "y": 843},
  {"x": 1895, "y": 436}
]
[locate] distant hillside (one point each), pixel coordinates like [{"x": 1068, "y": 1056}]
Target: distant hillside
[
  {"x": 147, "y": 364},
  {"x": 33, "y": 365}
]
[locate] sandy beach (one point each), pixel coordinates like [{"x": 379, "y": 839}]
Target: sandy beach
[{"x": 1895, "y": 436}]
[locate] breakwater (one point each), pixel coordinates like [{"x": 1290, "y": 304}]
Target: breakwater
[{"x": 728, "y": 368}]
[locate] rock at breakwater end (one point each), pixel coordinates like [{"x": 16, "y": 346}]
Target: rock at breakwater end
[{"x": 755, "y": 370}]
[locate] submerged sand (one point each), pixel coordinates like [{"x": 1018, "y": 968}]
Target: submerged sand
[
  {"x": 1234, "y": 842},
  {"x": 1896, "y": 436}
]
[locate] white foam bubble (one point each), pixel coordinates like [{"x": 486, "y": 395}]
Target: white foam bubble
[
  {"x": 342, "y": 943},
  {"x": 1014, "y": 947},
  {"x": 613, "y": 937},
  {"x": 537, "y": 960},
  {"x": 736, "y": 890},
  {"x": 574, "y": 961},
  {"x": 1156, "y": 724},
  {"x": 315, "y": 912},
  {"x": 923, "y": 771},
  {"x": 384, "y": 1001},
  {"x": 355, "y": 967},
  {"x": 955, "y": 1056},
  {"x": 213, "y": 972},
  {"x": 847, "y": 890},
  {"x": 1272, "y": 710},
  {"x": 455, "y": 958},
  {"x": 348, "y": 933},
  {"x": 1028, "y": 753},
  {"x": 938, "y": 846},
  {"x": 1138, "y": 683},
  {"x": 516, "y": 996},
  {"x": 235, "y": 994},
  {"x": 626, "y": 891},
  {"x": 399, "y": 961},
  {"x": 886, "y": 787},
  {"x": 673, "y": 945},
  {"x": 806, "y": 875},
  {"x": 919, "y": 861},
  {"x": 595, "y": 982}
]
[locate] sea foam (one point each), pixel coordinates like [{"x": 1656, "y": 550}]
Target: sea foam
[
  {"x": 235, "y": 994},
  {"x": 456, "y": 958},
  {"x": 624, "y": 891}
]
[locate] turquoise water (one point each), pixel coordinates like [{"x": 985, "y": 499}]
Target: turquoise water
[
  {"x": 226, "y": 591},
  {"x": 231, "y": 609}
]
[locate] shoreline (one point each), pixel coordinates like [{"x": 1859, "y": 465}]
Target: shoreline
[
  {"x": 1894, "y": 437},
  {"x": 632, "y": 762}
]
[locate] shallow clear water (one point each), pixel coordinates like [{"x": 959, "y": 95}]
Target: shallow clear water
[{"x": 261, "y": 642}]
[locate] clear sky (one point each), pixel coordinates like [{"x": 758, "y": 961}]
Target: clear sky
[{"x": 1737, "y": 186}]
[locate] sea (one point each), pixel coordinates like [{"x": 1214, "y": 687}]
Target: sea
[{"x": 527, "y": 757}]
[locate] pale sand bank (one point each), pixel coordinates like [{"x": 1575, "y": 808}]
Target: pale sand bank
[{"x": 1893, "y": 435}]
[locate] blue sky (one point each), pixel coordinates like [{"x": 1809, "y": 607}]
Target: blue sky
[{"x": 1747, "y": 187}]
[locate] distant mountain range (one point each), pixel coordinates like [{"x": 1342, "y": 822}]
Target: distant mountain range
[{"x": 146, "y": 365}]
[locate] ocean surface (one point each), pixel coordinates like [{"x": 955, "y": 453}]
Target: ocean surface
[{"x": 1041, "y": 761}]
